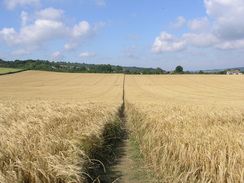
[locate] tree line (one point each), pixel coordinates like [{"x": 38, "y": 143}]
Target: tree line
[{"x": 46, "y": 65}]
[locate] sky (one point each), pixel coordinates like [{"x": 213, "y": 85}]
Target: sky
[{"x": 196, "y": 34}]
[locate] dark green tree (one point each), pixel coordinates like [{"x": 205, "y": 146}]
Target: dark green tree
[
  {"x": 158, "y": 71},
  {"x": 179, "y": 69},
  {"x": 223, "y": 72},
  {"x": 118, "y": 69}
]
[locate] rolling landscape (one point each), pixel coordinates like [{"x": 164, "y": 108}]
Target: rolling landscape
[
  {"x": 105, "y": 91},
  {"x": 188, "y": 128}
]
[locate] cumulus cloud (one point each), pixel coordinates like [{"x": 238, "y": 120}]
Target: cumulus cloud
[
  {"x": 48, "y": 25},
  {"x": 78, "y": 34},
  {"x": 41, "y": 31},
  {"x": 8, "y": 35},
  {"x": 199, "y": 24},
  {"x": 180, "y": 21},
  {"x": 200, "y": 39},
  {"x": 235, "y": 44},
  {"x": 50, "y": 14},
  {"x": 224, "y": 31},
  {"x": 228, "y": 15},
  {"x": 12, "y": 4},
  {"x": 37, "y": 33},
  {"x": 81, "y": 29},
  {"x": 87, "y": 54},
  {"x": 167, "y": 43},
  {"x": 57, "y": 55}
]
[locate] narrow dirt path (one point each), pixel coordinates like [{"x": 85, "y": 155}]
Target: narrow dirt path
[
  {"x": 128, "y": 168},
  {"x": 123, "y": 164}
]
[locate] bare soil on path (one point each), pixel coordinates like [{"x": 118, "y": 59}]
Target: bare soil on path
[{"x": 125, "y": 166}]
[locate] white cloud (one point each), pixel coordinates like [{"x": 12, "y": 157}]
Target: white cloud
[
  {"x": 12, "y": 4},
  {"x": 167, "y": 43},
  {"x": 24, "y": 18},
  {"x": 41, "y": 31},
  {"x": 57, "y": 55},
  {"x": 78, "y": 34},
  {"x": 20, "y": 52},
  {"x": 81, "y": 29},
  {"x": 50, "y": 14},
  {"x": 87, "y": 54},
  {"x": 199, "y": 24},
  {"x": 224, "y": 31},
  {"x": 228, "y": 16},
  {"x": 236, "y": 44},
  {"x": 71, "y": 46},
  {"x": 8, "y": 35},
  {"x": 180, "y": 21},
  {"x": 34, "y": 34},
  {"x": 48, "y": 25},
  {"x": 200, "y": 39}
]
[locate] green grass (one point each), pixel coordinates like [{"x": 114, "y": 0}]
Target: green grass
[{"x": 8, "y": 70}]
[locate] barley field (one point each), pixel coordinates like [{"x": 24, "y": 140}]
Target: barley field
[
  {"x": 190, "y": 128},
  {"x": 51, "y": 123},
  {"x": 4, "y": 70}
]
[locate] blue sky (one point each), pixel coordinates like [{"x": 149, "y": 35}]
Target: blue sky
[{"x": 196, "y": 34}]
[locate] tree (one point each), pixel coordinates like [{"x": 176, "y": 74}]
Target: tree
[
  {"x": 158, "y": 71},
  {"x": 179, "y": 69},
  {"x": 201, "y": 72},
  {"x": 118, "y": 69},
  {"x": 223, "y": 72}
]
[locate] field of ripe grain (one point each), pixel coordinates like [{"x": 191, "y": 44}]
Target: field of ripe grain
[
  {"x": 51, "y": 123},
  {"x": 4, "y": 70},
  {"x": 190, "y": 128}
]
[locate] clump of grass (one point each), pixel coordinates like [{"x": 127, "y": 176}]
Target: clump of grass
[{"x": 185, "y": 143}]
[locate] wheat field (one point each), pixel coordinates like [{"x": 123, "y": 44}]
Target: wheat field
[
  {"x": 190, "y": 128},
  {"x": 51, "y": 123}
]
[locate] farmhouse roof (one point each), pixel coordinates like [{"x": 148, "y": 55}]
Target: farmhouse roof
[{"x": 234, "y": 71}]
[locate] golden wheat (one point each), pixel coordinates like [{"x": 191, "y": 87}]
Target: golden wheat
[
  {"x": 51, "y": 122},
  {"x": 190, "y": 128}
]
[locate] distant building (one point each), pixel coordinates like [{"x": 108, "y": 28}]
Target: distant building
[
  {"x": 171, "y": 72},
  {"x": 234, "y": 72}
]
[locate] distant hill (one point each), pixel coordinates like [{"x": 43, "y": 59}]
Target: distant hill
[
  {"x": 219, "y": 70},
  {"x": 240, "y": 68}
]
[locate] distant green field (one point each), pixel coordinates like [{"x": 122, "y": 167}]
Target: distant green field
[{"x": 8, "y": 70}]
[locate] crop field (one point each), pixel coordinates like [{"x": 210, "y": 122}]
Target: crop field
[
  {"x": 190, "y": 128},
  {"x": 51, "y": 123},
  {"x": 8, "y": 70}
]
